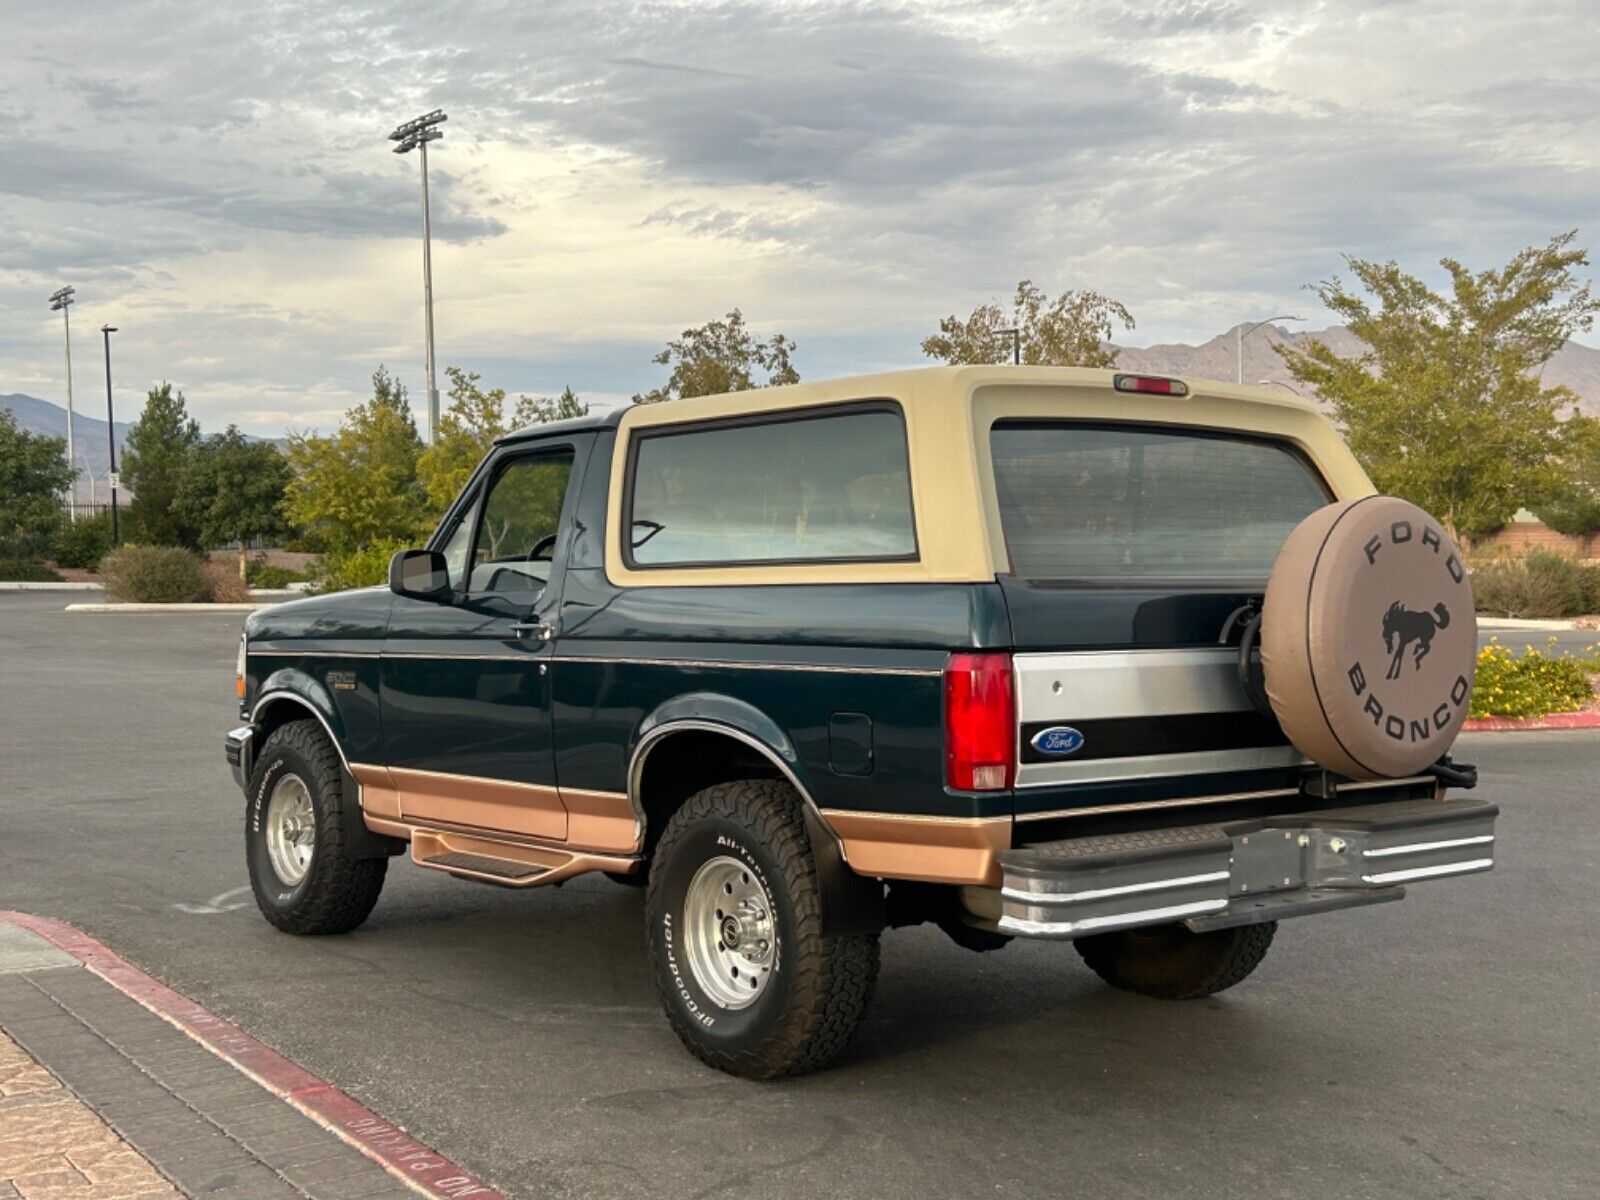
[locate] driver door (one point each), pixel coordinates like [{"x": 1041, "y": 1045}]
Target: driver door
[{"x": 466, "y": 683}]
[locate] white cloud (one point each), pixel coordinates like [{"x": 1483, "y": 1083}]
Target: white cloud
[{"x": 219, "y": 184}]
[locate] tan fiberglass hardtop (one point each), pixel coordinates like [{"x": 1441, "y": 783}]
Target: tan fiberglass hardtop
[{"x": 948, "y": 412}]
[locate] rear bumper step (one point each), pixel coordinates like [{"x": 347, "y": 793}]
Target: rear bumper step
[{"x": 1240, "y": 873}]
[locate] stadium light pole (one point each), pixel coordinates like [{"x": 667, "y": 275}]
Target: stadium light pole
[
  {"x": 1015, "y": 334},
  {"x": 111, "y": 438},
  {"x": 60, "y": 301},
  {"x": 415, "y": 135},
  {"x": 1244, "y": 331}
]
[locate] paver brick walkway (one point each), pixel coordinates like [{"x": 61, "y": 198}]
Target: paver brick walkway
[{"x": 53, "y": 1147}]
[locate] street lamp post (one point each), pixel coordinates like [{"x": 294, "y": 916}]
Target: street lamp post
[
  {"x": 415, "y": 135},
  {"x": 1016, "y": 343},
  {"x": 60, "y": 302},
  {"x": 111, "y": 438},
  {"x": 1244, "y": 331}
]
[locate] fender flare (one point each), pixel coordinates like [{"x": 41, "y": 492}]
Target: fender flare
[{"x": 851, "y": 903}]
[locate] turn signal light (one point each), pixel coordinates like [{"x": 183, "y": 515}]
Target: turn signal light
[
  {"x": 1155, "y": 385},
  {"x": 980, "y": 723}
]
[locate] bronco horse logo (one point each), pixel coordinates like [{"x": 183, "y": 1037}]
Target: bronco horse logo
[{"x": 1401, "y": 627}]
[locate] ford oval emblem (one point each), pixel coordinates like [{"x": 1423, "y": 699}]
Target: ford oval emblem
[{"x": 1058, "y": 740}]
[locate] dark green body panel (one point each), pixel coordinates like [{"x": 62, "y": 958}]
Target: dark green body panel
[
  {"x": 294, "y": 646},
  {"x": 842, "y": 683}
]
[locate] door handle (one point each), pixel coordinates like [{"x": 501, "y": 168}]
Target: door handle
[{"x": 538, "y": 631}]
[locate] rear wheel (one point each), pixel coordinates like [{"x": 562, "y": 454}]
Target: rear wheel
[
  {"x": 294, "y": 837},
  {"x": 1170, "y": 962},
  {"x": 748, "y": 981}
]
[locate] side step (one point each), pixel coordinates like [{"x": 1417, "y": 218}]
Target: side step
[
  {"x": 459, "y": 862},
  {"x": 507, "y": 864}
]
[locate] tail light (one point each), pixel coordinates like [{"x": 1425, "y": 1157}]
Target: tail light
[
  {"x": 980, "y": 723},
  {"x": 239, "y": 669}
]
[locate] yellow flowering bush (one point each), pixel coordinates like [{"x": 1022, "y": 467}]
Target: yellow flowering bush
[{"x": 1535, "y": 685}]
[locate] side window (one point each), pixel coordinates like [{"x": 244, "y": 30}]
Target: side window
[
  {"x": 517, "y": 530},
  {"x": 457, "y": 544},
  {"x": 826, "y": 487}
]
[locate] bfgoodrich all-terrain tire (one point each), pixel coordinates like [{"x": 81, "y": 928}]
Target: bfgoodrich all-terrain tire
[
  {"x": 294, "y": 837},
  {"x": 747, "y": 978},
  {"x": 1171, "y": 963}
]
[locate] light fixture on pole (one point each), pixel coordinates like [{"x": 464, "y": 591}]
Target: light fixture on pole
[
  {"x": 1243, "y": 331},
  {"x": 111, "y": 437},
  {"x": 60, "y": 301},
  {"x": 415, "y": 135}
]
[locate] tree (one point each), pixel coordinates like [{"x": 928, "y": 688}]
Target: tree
[
  {"x": 1446, "y": 407},
  {"x": 232, "y": 491},
  {"x": 154, "y": 459},
  {"x": 468, "y": 426},
  {"x": 1574, "y": 507},
  {"x": 360, "y": 485},
  {"x": 1070, "y": 331},
  {"x": 721, "y": 356},
  {"x": 545, "y": 409},
  {"x": 33, "y": 474}
]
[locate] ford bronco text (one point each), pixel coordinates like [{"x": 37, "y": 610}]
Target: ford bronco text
[{"x": 1138, "y": 663}]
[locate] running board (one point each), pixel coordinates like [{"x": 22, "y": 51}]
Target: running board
[{"x": 507, "y": 864}]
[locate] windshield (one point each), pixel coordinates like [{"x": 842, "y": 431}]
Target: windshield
[{"x": 1114, "y": 503}]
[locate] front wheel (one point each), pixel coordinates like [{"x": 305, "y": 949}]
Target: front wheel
[
  {"x": 1170, "y": 962},
  {"x": 748, "y": 981},
  {"x": 294, "y": 837}
]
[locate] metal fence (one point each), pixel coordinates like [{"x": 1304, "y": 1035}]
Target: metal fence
[{"x": 83, "y": 511}]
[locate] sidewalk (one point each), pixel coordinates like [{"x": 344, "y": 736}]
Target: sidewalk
[
  {"x": 54, "y": 1146},
  {"x": 112, "y": 1086}
]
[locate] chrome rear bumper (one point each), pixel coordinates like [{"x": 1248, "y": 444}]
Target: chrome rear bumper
[{"x": 1240, "y": 873}]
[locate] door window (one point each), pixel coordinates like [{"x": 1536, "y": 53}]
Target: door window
[
  {"x": 457, "y": 544},
  {"x": 517, "y": 531}
]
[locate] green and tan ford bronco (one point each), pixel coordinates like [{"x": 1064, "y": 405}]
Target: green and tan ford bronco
[{"x": 1138, "y": 663}]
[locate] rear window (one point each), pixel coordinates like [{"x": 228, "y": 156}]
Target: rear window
[
  {"x": 821, "y": 488},
  {"x": 1127, "y": 503}
]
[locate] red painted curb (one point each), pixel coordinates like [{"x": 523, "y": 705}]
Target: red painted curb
[
  {"x": 380, "y": 1140},
  {"x": 1577, "y": 720}
]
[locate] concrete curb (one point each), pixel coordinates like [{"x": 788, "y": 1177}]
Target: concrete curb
[
  {"x": 59, "y": 585},
  {"x": 411, "y": 1162},
  {"x": 1577, "y": 720},
  {"x": 164, "y": 608}
]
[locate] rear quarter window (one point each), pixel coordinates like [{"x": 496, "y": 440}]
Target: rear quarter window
[
  {"x": 825, "y": 487},
  {"x": 1126, "y": 503}
]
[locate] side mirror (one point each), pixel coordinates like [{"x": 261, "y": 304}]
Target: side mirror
[{"x": 420, "y": 574}]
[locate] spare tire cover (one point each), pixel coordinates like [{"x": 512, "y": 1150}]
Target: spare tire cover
[{"x": 1369, "y": 640}]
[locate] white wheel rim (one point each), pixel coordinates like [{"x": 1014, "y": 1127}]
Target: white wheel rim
[
  {"x": 730, "y": 933},
  {"x": 291, "y": 830}
]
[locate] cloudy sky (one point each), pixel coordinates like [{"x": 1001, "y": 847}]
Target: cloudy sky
[{"x": 215, "y": 180}]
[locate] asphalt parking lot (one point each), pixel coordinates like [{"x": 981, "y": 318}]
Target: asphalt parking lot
[{"x": 1446, "y": 1046}]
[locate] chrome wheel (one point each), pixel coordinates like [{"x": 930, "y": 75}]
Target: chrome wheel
[
  {"x": 291, "y": 829},
  {"x": 730, "y": 932}
]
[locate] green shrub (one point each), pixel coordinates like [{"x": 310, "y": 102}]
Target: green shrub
[
  {"x": 262, "y": 574},
  {"x": 1542, "y": 584},
  {"x": 82, "y": 544},
  {"x": 1589, "y": 585},
  {"x": 1535, "y": 685},
  {"x": 26, "y": 570},
  {"x": 154, "y": 575},
  {"x": 359, "y": 568}
]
